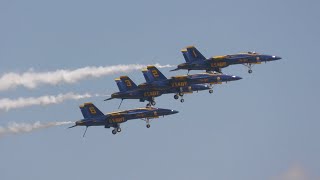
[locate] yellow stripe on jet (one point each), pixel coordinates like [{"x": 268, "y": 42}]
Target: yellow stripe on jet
[
  {"x": 150, "y": 67},
  {"x": 85, "y": 104}
]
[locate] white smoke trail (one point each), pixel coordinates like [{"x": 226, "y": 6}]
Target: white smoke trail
[
  {"x": 7, "y": 104},
  {"x": 33, "y": 79},
  {"x": 17, "y": 128}
]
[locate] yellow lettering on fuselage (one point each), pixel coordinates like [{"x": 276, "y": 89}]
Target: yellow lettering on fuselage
[
  {"x": 154, "y": 117},
  {"x": 179, "y": 84},
  {"x": 117, "y": 120},
  {"x": 141, "y": 115},
  {"x": 151, "y": 93},
  {"x": 204, "y": 80},
  {"x": 243, "y": 60},
  {"x": 218, "y": 64}
]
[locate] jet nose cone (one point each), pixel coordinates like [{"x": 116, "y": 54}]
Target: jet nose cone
[
  {"x": 174, "y": 112},
  {"x": 236, "y": 77},
  {"x": 276, "y": 57}
]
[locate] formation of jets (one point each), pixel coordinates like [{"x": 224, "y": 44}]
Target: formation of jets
[{"x": 157, "y": 84}]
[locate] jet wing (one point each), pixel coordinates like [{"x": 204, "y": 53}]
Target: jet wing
[
  {"x": 190, "y": 77},
  {"x": 137, "y": 111},
  {"x": 184, "y": 77},
  {"x": 198, "y": 76}
]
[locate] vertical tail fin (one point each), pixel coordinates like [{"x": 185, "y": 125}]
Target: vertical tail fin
[
  {"x": 128, "y": 83},
  {"x": 121, "y": 85},
  {"x": 89, "y": 110},
  {"x": 147, "y": 76},
  {"x": 155, "y": 73},
  {"x": 186, "y": 55},
  {"x": 191, "y": 54}
]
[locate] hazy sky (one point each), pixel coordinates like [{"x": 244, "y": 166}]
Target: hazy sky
[{"x": 265, "y": 126}]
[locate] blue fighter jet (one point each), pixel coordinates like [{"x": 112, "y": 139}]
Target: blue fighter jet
[
  {"x": 196, "y": 61},
  {"x": 157, "y": 81},
  {"x": 129, "y": 90},
  {"x": 94, "y": 117}
]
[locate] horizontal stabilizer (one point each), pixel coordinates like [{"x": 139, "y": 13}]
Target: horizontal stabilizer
[
  {"x": 175, "y": 69},
  {"x": 72, "y": 126},
  {"x": 108, "y": 99}
]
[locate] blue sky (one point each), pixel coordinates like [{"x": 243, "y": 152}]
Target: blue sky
[{"x": 264, "y": 126}]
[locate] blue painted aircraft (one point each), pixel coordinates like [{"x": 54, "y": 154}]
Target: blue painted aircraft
[
  {"x": 196, "y": 61},
  {"x": 94, "y": 117},
  {"x": 129, "y": 90},
  {"x": 157, "y": 81}
]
